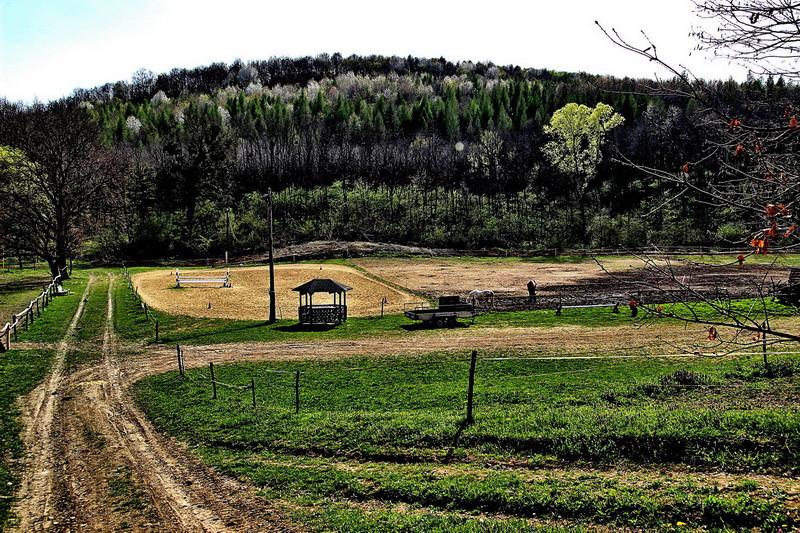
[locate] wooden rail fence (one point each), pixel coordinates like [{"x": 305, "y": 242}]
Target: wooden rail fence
[{"x": 26, "y": 317}]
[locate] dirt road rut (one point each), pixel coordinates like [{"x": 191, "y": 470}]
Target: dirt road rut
[{"x": 94, "y": 463}]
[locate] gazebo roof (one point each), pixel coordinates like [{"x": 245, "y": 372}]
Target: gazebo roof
[{"x": 322, "y": 285}]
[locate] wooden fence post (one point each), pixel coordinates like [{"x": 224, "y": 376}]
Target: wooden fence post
[
  {"x": 156, "y": 326},
  {"x": 297, "y": 392},
  {"x": 180, "y": 358},
  {"x": 16, "y": 320},
  {"x": 471, "y": 386},
  {"x": 213, "y": 381}
]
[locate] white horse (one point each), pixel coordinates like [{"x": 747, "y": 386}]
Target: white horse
[{"x": 482, "y": 295}]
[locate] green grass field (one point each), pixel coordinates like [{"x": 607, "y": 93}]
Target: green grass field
[
  {"x": 18, "y": 288},
  {"x": 592, "y": 441},
  {"x": 381, "y": 444}
]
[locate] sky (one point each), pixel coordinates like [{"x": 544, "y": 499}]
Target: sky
[{"x": 50, "y": 47}]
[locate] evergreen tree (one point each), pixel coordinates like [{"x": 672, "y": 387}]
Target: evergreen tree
[{"x": 450, "y": 125}]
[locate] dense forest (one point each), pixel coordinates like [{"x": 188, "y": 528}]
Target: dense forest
[{"x": 390, "y": 149}]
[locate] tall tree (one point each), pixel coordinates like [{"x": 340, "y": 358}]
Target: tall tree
[
  {"x": 762, "y": 34},
  {"x": 579, "y": 133},
  {"x": 198, "y": 163},
  {"x": 56, "y": 179}
]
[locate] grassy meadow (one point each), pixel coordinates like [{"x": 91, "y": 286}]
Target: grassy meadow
[{"x": 381, "y": 444}]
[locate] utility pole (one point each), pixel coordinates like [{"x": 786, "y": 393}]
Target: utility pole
[
  {"x": 227, "y": 234},
  {"x": 271, "y": 263}
]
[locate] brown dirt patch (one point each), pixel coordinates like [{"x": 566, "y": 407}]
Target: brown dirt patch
[
  {"x": 248, "y": 298},
  {"x": 443, "y": 276},
  {"x": 435, "y": 277}
]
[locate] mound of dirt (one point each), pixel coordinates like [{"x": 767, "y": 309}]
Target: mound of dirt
[
  {"x": 248, "y": 298},
  {"x": 332, "y": 249}
]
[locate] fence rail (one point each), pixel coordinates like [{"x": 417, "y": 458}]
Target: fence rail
[
  {"x": 142, "y": 304},
  {"x": 296, "y": 381},
  {"x": 26, "y": 317},
  {"x": 616, "y": 299}
]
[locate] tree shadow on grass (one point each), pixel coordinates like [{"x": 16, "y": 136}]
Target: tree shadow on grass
[
  {"x": 167, "y": 339},
  {"x": 464, "y": 424},
  {"x": 295, "y": 328},
  {"x": 419, "y": 326}
]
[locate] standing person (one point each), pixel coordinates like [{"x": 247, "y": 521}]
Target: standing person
[{"x": 532, "y": 291}]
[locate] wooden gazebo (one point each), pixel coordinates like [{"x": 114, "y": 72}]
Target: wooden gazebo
[{"x": 310, "y": 313}]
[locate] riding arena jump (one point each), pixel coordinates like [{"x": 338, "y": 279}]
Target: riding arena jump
[{"x": 187, "y": 279}]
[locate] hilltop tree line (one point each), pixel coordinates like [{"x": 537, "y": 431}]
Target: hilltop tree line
[{"x": 394, "y": 149}]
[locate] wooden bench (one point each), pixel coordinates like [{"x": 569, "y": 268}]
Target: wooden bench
[{"x": 225, "y": 281}]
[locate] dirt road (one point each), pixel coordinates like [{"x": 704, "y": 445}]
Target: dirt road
[{"x": 94, "y": 463}]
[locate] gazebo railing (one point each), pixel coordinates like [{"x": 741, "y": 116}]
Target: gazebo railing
[{"x": 322, "y": 314}]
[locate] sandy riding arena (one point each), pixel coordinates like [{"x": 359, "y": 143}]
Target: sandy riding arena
[
  {"x": 443, "y": 276},
  {"x": 248, "y": 298}
]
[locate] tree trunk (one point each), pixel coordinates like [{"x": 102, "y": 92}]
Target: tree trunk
[{"x": 56, "y": 265}]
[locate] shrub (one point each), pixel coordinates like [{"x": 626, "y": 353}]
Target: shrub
[
  {"x": 670, "y": 384},
  {"x": 777, "y": 369},
  {"x": 683, "y": 377}
]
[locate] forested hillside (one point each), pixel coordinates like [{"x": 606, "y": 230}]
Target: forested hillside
[{"x": 397, "y": 150}]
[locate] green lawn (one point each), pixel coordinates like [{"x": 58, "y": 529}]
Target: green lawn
[
  {"x": 381, "y": 442},
  {"x": 18, "y": 288}
]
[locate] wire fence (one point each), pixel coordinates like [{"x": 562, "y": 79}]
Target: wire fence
[
  {"x": 328, "y": 380},
  {"x": 25, "y": 318},
  {"x": 142, "y": 304},
  {"x": 612, "y": 300}
]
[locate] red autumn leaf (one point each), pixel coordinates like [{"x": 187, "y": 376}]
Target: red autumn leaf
[
  {"x": 733, "y": 125},
  {"x": 790, "y": 231},
  {"x": 739, "y": 151},
  {"x": 772, "y": 210},
  {"x": 761, "y": 245},
  {"x": 712, "y": 333},
  {"x": 685, "y": 168},
  {"x": 793, "y": 123}
]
